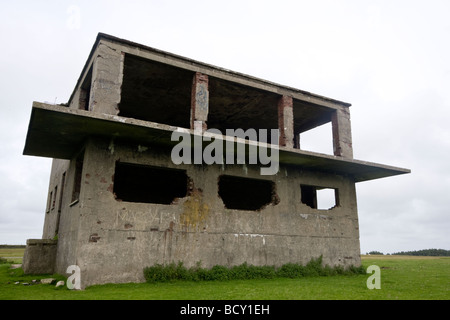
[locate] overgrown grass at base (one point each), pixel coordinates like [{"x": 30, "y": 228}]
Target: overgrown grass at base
[
  {"x": 171, "y": 272},
  {"x": 402, "y": 278}
]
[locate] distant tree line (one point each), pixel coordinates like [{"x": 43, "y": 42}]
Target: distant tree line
[
  {"x": 12, "y": 246},
  {"x": 424, "y": 252}
]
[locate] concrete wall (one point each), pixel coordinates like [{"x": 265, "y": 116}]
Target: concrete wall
[
  {"x": 55, "y": 201},
  {"x": 39, "y": 256},
  {"x": 62, "y": 222},
  {"x": 112, "y": 241}
]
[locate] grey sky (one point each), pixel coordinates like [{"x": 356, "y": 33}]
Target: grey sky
[{"x": 389, "y": 59}]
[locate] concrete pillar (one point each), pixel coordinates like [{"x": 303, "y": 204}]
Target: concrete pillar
[
  {"x": 286, "y": 121},
  {"x": 342, "y": 133},
  {"x": 199, "y": 100},
  {"x": 107, "y": 76}
]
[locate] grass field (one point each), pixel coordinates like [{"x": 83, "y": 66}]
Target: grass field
[
  {"x": 13, "y": 255},
  {"x": 402, "y": 278}
]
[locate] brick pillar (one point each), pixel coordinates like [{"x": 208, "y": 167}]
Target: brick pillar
[
  {"x": 286, "y": 121},
  {"x": 107, "y": 76},
  {"x": 199, "y": 100},
  {"x": 342, "y": 133}
]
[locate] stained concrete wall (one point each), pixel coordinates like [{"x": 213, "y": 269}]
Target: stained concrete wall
[
  {"x": 39, "y": 256},
  {"x": 54, "y": 201},
  {"x": 112, "y": 241},
  {"x": 62, "y": 225}
]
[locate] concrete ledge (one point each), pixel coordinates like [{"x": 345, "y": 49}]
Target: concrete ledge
[
  {"x": 39, "y": 256},
  {"x": 59, "y": 132}
]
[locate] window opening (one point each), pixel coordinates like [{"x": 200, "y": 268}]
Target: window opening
[
  {"x": 246, "y": 194},
  {"x": 148, "y": 184},
  {"x": 318, "y": 139},
  {"x": 77, "y": 178},
  {"x": 54, "y": 197},
  {"x": 63, "y": 181},
  {"x": 320, "y": 198},
  {"x": 157, "y": 92},
  {"x": 49, "y": 201},
  {"x": 85, "y": 92}
]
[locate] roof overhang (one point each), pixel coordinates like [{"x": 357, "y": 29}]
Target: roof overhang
[{"x": 59, "y": 132}]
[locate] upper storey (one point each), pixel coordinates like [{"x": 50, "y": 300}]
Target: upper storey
[
  {"x": 134, "y": 81},
  {"x": 136, "y": 93}
]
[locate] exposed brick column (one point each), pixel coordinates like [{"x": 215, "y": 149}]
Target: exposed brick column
[
  {"x": 342, "y": 133},
  {"x": 107, "y": 77},
  {"x": 199, "y": 99},
  {"x": 286, "y": 121}
]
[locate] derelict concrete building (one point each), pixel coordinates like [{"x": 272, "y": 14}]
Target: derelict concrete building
[{"x": 117, "y": 202}]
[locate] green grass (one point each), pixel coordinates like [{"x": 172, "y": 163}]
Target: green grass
[
  {"x": 315, "y": 267},
  {"x": 14, "y": 255},
  {"x": 402, "y": 278}
]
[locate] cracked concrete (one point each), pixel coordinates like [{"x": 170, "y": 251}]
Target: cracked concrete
[{"x": 118, "y": 123}]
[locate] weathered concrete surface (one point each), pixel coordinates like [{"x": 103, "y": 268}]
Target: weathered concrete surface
[
  {"x": 128, "y": 101},
  {"x": 286, "y": 121},
  {"x": 69, "y": 128},
  {"x": 106, "y": 80},
  {"x": 39, "y": 256},
  {"x": 199, "y": 100},
  {"x": 115, "y": 239},
  {"x": 342, "y": 134}
]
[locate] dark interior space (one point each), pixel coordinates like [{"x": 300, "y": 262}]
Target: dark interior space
[
  {"x": 309, "y": 195},
  {"x": 308, "y": 116},
  {"x": 234, "y": 106},
  {"x": 245, "y": 193},
  {"x": 78, "y": 177},
  {"x": 148, "y": 184},
  {"x": 156, "y": 92},
  {"x": 85, "y": 92}
]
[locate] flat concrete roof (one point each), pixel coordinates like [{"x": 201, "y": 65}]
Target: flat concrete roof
[{"x": 59, "y": 132}]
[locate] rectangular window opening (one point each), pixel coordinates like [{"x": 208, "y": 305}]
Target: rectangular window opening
[
  {"x": 318, "y": 139},
  {"x": 63, "y": 181},
  {"x": 77, "y": 178},
  {"x": 157, "y": 92},
  {"x": 49, "y": 201},
  {"x": 58, "y": 218},
  {"x": 54, "y": 197},
  {"x": 320, "y": 198},
  {"x": 242, "y": 108},
  {"x": 312, "y": 127},
  {"x": 148, "y": 184},
  {"x": 246, "y": 194},
  {"x": 85, "y": 92}
]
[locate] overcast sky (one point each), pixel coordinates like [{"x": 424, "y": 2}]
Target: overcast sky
[{"x": 389, "y": 59}]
